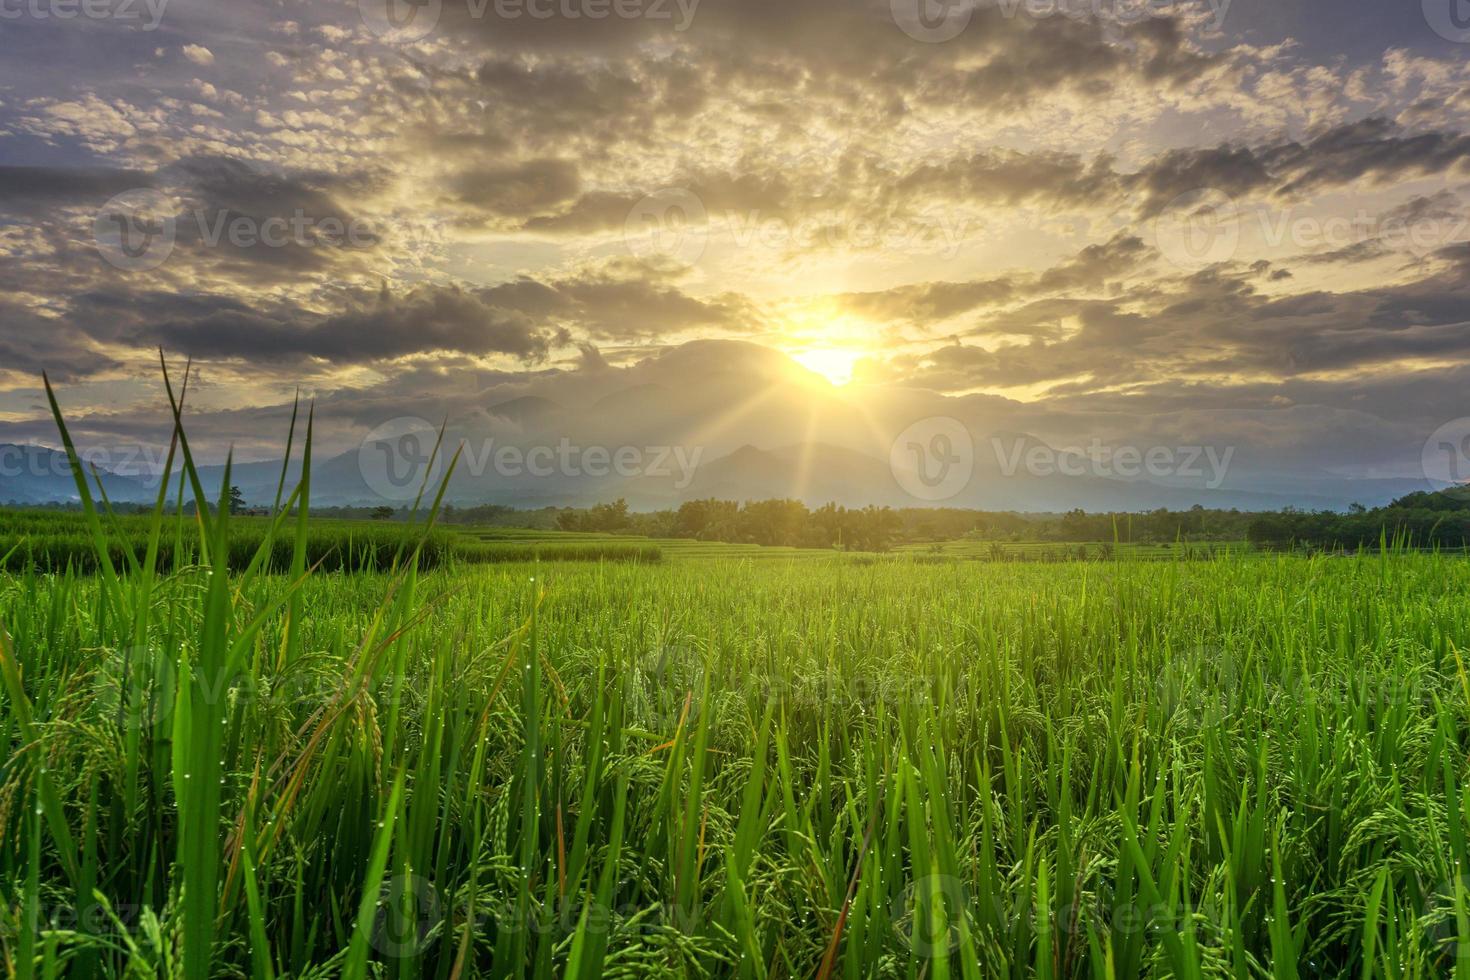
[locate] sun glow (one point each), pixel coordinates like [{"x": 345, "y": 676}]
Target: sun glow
[{"x": 836, "y": 365}]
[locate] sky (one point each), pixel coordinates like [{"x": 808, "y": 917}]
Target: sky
[{"x": 1230, "y": 222}]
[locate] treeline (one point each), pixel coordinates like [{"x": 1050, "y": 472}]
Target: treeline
[
  {"x": 1420, "y": 519},
  {"x": 765, "y": 522},
  {"x": 477, "y": 515},
  {"x": 792, "y": 523},
  {"x": 1161, "y": 526}
]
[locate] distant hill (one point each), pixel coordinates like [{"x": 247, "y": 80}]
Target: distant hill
[
  {"x": 529, "y": 412},
  {"x": 759, "y": 426},
  {"x": 38, "y": 475},
  {"x": 815, "y": 473},
  {"x": 818, "y": 473}
]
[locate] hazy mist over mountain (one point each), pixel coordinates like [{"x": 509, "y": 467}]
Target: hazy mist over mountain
[{"x": 733, "y": 420}]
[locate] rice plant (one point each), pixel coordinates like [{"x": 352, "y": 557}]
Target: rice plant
[{"x": 248, "y": 764}]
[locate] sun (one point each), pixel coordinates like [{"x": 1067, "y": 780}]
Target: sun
[{"x": 834, "y": 364}]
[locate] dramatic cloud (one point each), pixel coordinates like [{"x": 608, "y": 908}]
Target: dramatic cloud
[
  {"x": 1185, "y": 216},
  {"x": 425, "y": 320}
]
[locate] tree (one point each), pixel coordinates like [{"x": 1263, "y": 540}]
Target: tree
[
  {"x": 237, "y": 500},
  {"x": 384, "y": 513},
  {"x": 707, "y": 520},
  {"x": 608, "y": 517},
  {"x": 602, "y": 517},
  {"x": 772, "y": 522}
]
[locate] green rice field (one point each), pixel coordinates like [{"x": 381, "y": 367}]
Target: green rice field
[{"x": 728, "y": 763}]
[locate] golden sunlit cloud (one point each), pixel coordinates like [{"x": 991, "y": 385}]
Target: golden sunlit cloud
[
  {"x": 834, "y": 364},
  {"x": 1134, "y": 239}
]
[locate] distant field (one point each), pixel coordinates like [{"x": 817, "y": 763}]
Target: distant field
[
  {"x": 806, "y": 765},
  {"x": 671, "y": 548},
  {"x": 1079, "y": 551},
  {"x": 56, "y": 540},
  {"x": 50, "y": 540},
  {"x": 281, "y": 749},
  {"x": 959, "y": 550}
]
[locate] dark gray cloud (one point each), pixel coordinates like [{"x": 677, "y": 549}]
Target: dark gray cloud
[
  {"x": 1011, "y": 177},
  {"x": 1089, "y": 270},
  {"x": 933, "y": 301},
  {"x": 1373, "y": 149},
  {"x": 1367, "y": 250},
  {"x": 422, "y": 320},
  {"x": 30, "y": 189},
  {"x": 1095, "y": 265},
  {"x": 31, "y": 343},
  {"x": 524, "y": 318},
  {"x": 1212, "y": 324},
  {"x": 521, "y": 190}
]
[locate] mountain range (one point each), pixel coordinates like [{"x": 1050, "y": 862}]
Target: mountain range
[
  {"x": 737, "y": 421},
  {"x": 813, "y": 472}
]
